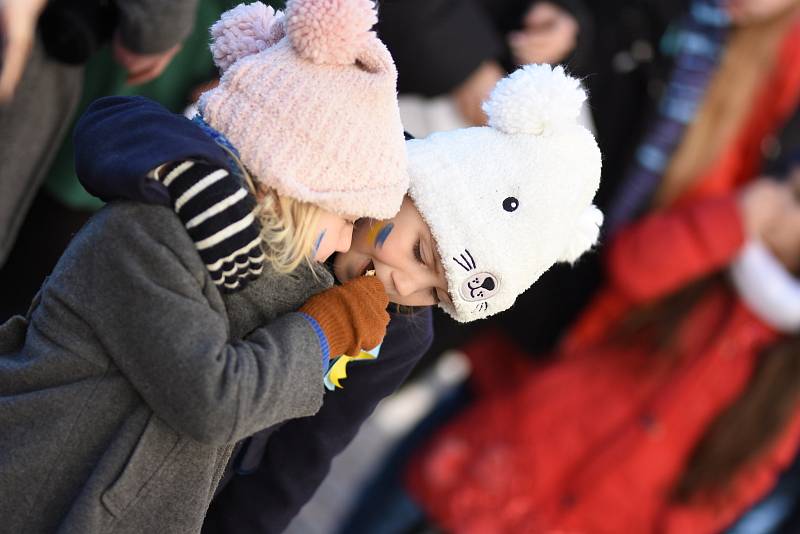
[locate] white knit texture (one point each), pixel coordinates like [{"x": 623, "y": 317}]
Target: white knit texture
[
  {"x": 535, "y": 99},
  {"x": 505, "y": 204}
]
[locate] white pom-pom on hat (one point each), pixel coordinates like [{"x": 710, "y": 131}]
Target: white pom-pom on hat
[
  {"x": 332, "y": 32},
  {"x": 534, "y": 99},
  {"x": 245, "y": 30},
  {"x": 584, "y": 235}
]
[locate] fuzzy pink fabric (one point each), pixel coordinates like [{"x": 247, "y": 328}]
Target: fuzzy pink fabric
[
  {"x": 313, "y": 113},
  {"x": 244, "y": 30},
  {"x": 330, "y": 31}
]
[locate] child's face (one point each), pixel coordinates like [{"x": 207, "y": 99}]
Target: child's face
[
  {"x": 334, "y": 234},
  {"x": 402, "y": 253}
]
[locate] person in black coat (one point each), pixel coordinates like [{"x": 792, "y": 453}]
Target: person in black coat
[{"x": 463, "y": 47}]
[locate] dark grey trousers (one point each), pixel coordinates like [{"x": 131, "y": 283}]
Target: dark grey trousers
[{"x": 32, "y": 127}]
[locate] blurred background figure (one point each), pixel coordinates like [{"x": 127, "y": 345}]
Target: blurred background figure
[
  {"x": 45, "y": 46},
  {"x": 451, "y": 53},
  {"x": 78, "y": 51}
]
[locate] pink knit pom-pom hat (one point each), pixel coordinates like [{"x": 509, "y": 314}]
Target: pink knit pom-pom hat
[{"x": 309, "y": 99}]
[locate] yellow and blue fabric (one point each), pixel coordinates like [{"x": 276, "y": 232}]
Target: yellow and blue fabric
[{"x": 338, "y": 368}]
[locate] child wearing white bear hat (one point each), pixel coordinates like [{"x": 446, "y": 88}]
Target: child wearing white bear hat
[{"x": 501, "y": 203}]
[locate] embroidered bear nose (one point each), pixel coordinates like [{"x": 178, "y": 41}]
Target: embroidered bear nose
[{"x": 479, "y": 287}]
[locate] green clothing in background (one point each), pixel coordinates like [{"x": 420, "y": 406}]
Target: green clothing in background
[{"x": 191, "y": 67}]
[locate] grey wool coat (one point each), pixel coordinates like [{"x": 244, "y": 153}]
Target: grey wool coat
[{"x": 125, "y": 388}]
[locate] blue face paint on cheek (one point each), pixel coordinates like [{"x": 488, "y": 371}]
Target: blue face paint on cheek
[
  {"x": 383, "y": 235},
  {"x": 319, "y": 241}
]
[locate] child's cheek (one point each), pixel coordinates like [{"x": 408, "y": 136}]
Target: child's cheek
[
  {"x": 378, "y": 234},
  {"x": 323, "y": 247}
]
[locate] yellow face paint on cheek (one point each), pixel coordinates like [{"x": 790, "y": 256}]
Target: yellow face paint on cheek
[{"x": 379, "y": 233}]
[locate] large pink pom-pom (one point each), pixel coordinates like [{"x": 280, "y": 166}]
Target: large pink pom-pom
[
  {"x": 331, "y": 32},
  {"x": 244, "y": 30}
]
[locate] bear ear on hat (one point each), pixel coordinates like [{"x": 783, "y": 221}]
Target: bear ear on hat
[
  {"x": 584, "y": 234},
  {"x": 534, "y": 99},
  {"x": 245, "y": 30},
  {"x": 330, "y": 32}
]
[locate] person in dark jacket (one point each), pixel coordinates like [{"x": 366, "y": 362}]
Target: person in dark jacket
[
  {"x": 41, "y": 79},
  {"x": 463, "y": 47}
]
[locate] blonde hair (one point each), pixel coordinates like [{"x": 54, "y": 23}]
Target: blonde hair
[
  {"x": 288, "y": 229},
  {"x": 287, "y": 225},
  {"x": 748, "y": 59}
]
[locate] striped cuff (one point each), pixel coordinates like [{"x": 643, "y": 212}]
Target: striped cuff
[
  {"x": 323, "y": 342},
  {"x": 218, "y": 215}
]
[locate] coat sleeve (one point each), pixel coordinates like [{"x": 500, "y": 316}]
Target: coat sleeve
[
  {"x": 437, "y": 44},
  {"x": 664, "y": 251},
  {"x": 152, "y": 26},
  {"x": 120, "y": 139},
  {"x": 298, "y": 456},
  {"x": 151, "y": 307}
]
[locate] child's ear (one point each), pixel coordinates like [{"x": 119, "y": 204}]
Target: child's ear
[{"x": 584, "y": 234}]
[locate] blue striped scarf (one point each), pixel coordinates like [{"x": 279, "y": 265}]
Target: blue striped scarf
[
  {"x": 696, "y": 43},
  {"x": 221, "y": 140}
]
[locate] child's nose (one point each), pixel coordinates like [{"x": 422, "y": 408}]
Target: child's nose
[{"x": 403, "y": 284}]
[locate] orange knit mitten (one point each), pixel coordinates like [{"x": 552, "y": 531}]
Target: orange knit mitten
[{"x": 353, "y": 316}]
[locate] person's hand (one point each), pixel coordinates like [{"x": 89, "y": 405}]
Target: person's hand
[
  {"x": 469, "y": 96},
  {"x": 762, "y": 202},
  {"x": 18, "y": 20},
  {"x": 353, "y": 316},
  {"x": 141, "y": 68},
  {"x": 549, "y": 35}
]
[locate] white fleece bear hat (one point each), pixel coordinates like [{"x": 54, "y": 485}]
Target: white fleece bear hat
[{"x": 506, "y": 201}]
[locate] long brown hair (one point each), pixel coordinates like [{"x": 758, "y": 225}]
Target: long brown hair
[
  {"x": 749, "y": 57},
  {"x": 744, "y": 431},
  {"x": 741, "y": 433}
]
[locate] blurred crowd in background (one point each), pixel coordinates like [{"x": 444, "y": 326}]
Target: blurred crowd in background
[{"x": 652, "y": 387}]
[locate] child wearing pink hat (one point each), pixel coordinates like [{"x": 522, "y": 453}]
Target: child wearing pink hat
[{"x": 167, "y": 334}]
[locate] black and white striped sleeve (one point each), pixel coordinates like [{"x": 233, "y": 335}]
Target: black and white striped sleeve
[{"x": 218, "y": 215}]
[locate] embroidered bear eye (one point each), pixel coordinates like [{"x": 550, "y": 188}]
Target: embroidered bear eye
[{"x": 510, "y": 204}]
